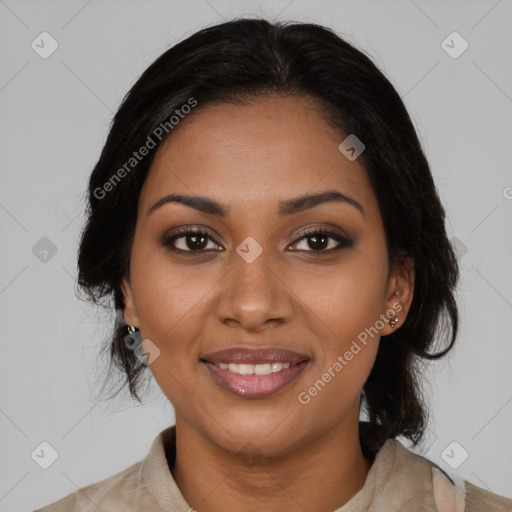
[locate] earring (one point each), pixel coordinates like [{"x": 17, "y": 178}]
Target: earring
[
  {"x": 132, "y": 339},
  {"x": 393, "y": 321}
]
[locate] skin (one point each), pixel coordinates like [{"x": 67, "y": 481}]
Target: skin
[{"x": 249, "y": 158}]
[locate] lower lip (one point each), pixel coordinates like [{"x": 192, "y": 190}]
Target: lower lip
[{"x": 255, "y": 386}]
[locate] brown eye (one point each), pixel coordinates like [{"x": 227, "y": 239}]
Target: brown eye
[
  {"x": 189, "y": 240},
  {"x": 322, "y": 241}
]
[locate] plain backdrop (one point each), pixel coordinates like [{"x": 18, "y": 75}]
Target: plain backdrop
[{"x": 55, "y": 114}]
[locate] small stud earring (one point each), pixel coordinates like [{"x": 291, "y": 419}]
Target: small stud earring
[
  {"x": 132, "y": 339},
  {"x": 393, "y": 321}
]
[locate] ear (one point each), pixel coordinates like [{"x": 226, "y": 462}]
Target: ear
[
  {"x": 130, "y": 311},
  {"x": 399, "y": 293}
]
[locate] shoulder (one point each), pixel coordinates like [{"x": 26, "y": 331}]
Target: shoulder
[
  {"x": 478, "y": 499},
  {"x": 450, "y": 492},
  {"x": 138, "y": 488},
  {"x": 116, "y": 493},
  {"x": 453, "y": 494}
]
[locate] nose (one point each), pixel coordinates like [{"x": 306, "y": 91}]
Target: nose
[{"x": 253, "y": 295}]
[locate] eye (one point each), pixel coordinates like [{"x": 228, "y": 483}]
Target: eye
[
  {"x": 193, "y": 240},
  {"x": 189, "y": 240},
  {"x": 321, "y": 241}
]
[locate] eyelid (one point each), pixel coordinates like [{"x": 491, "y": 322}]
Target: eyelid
[{"x": 319, "y": 229}]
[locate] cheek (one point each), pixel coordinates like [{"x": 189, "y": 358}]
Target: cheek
[
  {"x": 343, "y": 307},
  {"x": 346, "y": 298},
  {"x": 169, "y": 297},
  {"x": 343, "y": 313},
  {"x": 170, "y": 301}
]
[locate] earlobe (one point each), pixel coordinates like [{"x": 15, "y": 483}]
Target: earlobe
[{"x": 130, "y": 313}]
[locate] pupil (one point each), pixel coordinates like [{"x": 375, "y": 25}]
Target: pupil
[
  {"x": 195, "y": 244},
  {"x": 320, "y": 245}
]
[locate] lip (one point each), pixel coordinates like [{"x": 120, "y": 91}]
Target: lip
[
  {"x": 241, "y": 355},
  {"x": 255, "y": 386}
]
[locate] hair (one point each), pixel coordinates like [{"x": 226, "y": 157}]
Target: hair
[{"x": 236, "y": 62}]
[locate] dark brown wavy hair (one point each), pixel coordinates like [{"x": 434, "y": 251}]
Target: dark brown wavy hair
[{"x": 234, "y": 62}]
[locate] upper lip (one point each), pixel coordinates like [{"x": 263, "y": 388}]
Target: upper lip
[{"x": 243, "y": 355}]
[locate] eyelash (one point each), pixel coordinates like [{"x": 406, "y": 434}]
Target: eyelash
[{"x": 343, "y": 242}]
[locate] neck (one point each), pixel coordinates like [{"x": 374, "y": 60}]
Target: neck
[{"x": 321, "y": 475}]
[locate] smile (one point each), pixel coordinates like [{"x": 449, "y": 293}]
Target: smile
[
  {"x": 254, "y": 380},
  {"x": 255, "y": 372}
]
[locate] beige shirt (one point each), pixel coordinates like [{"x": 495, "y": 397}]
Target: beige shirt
[{"x": 398, "y": 480}]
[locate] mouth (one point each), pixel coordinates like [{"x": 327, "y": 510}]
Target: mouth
[{"x": 255, "y": 373}]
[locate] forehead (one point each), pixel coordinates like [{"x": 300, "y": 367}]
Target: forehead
[{"x": 269, "y": 149}]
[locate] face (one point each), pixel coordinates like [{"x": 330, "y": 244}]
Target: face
[{"x": 279, "y": 279}]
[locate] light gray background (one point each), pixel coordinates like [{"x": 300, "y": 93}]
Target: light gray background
[{"x": 55, "y": 114}]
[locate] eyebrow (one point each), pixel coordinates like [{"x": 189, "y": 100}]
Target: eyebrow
[{"x": 287, "y": 207}]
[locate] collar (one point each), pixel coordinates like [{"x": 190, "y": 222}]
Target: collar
[{"x": 156, "y": 476}]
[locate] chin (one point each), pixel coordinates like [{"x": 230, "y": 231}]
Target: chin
[{"x": 249, "y": 436}]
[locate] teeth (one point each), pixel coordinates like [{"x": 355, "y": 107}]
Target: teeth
[{"x": 258, "y": 369}]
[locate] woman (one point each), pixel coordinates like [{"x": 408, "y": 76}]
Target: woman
[{"x": 266, "y": 222}]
